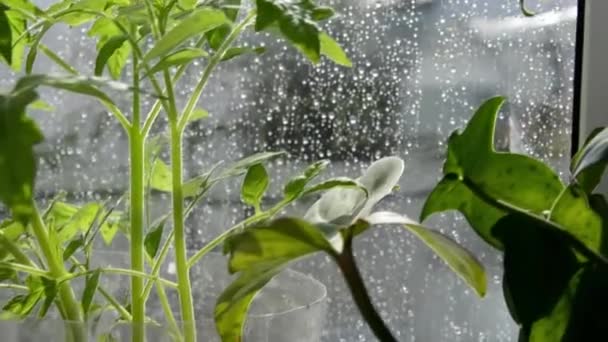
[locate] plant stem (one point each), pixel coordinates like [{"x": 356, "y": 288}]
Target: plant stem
[
  {"x": 346, "y": 263},
  {"x": 137, "y": 153},
  {"x": 213, "y": 62},
  {"x": 181, "y": 258},
  {"x": 57, "y": 270}
]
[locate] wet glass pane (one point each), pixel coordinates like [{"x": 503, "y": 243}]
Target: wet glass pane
[{"x": 420, "y": 69}]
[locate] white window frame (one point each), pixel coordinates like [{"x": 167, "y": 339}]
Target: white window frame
[{"x": 591, "y": 76}]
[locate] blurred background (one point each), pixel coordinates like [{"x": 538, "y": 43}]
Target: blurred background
[{"x": 420, "y": 69}]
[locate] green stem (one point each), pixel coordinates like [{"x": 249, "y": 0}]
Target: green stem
[
  {"x": 137, "y": 211},
  {"x": 164, "y": 301},
  {"x": 13, "y": 249},
  {"x": 57, "y": 270},
  {"x": 213, "y": 62},
  {"x": 181, "y": 258},
  {"x": 346, "y": 263}
]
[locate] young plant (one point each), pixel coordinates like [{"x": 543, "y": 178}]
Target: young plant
[
  {"x": 330, "y": 225},
  {"x": 553, "y": 235},
  {"x": 161, "y": 39}
]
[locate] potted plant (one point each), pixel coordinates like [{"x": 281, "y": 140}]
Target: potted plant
[
  {"x": 46, "y": 253},
  {"x": 552, "y": 234}
]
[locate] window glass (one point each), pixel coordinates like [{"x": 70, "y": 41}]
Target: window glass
[{"x": 420, "y": 69}]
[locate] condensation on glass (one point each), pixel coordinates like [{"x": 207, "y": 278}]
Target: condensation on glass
[{"x": 420, "y": 69}]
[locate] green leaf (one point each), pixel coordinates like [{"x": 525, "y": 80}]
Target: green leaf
[
  {"x": 254, "y": 185},
  {"x": 33, "y": 52},
  {"x": 108, "y": 50},
  {"x": 332, "y": 50},
  {"x": 18, "y": 135},
  {"x": 153, "y": 238},
  {"x": 459, "y": 259},
  {"x": 538, "y": 266},
  {"x": 82, "y": 221},
  {"x": 339, "y": 182},
  {"x": 161, "y": 177},
  {"x": 41, "y": 105},
  {"x": 240, "y": 167},
  {"x": 12, "y": 27},
  {"x": 187, "y": 4},
  {"x": 76, "y": 84},
  {"x": 518, "y": 180},
  {"x": 295, "y": 22},
  {"x": 451, "y": 194},
  {"x": 259, "y": 253},
  {"x": 198, "y": 114},
  {"x": 238, "y": 51},
  {"x": 195, "y": 24},
  {"x": 217, "y": 36},
  {"x": 232, "y": 305},
  {"x": 282, "y": 239},
  {"x": 591, "y": 161},
  {"x": 50, "y": 292},
  {"x": 6, "y": 36},
  {"x": 180, "y": 57},
  {"x": 90, "y": 288},
  {"x": 295, "y": 187},
  {"x": 7, "y": 273},
  {"x": 108, "y": 232},
  {"x": 78, "y": 18},
  {"x": 573, "y": 212}
]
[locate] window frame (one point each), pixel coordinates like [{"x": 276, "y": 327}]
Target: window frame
[{"x": 591, "y": 74}]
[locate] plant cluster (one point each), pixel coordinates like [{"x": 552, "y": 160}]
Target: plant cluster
[{"x": 553, "y": 235}]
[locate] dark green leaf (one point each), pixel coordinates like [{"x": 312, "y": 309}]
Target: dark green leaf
[
  {"x": 7, "y": 273},
  {"x": 590, "y": 163},
  {"x": 89, "y": 290},
  {"x": 295, "y": 22},
  {"x": 254, "y": 185},
  {"x": 332, "y": 50},
  {"x": 6, "y": 36},
  {"x": 22, "y": 305},
  {"x": 180, "y": 57},
  {"x": 195, "y": 24},
  {"x": 322, "y": 13},
  {"x": 18, "y": 135},
  {"x": 50, "y": 292},
  {"x": 153, "y": 238},
  {"x": 282, "y": 239},
  {"x": 217, "y": 36},
  {"x": 459, "y": 259},
  {"x": 238, "y": 51},
  {"x": 538, "y": 266},
  {"x": 72, "y": 247},
  {"x": 516, "y": 179},
  {"x": 108, "y": 50}
]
